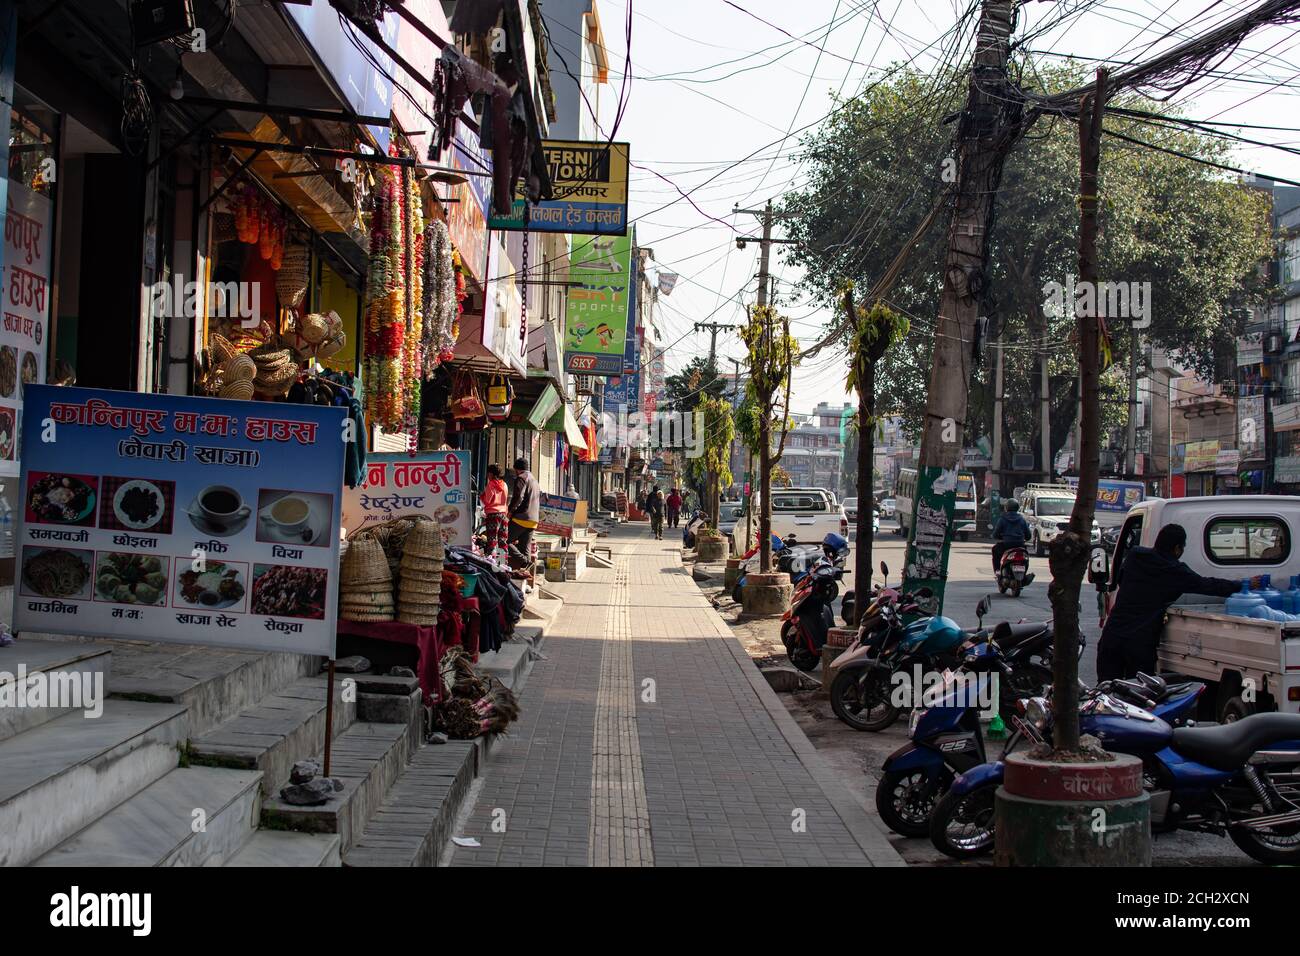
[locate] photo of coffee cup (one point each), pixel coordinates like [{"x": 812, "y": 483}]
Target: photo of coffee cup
[{"x": 219, "y": 510}]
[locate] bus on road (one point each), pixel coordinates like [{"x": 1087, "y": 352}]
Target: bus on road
[{"x": 963, "y": 510}]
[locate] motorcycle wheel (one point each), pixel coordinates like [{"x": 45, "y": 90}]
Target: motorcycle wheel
[
  {"x": 847, "y": 608},
  {"x": 1272, "y": 847},
  {"x": 1002, "y": 586},
  {"x": 1015, "y": 589},
  {"x": 846, "y": 702},
  {"x": 874, "y": 696},
  {"x": 795, "y": 648},
  {"x": 736, "y": 589},
  {"x": 900, "y": 803},
  {"x": 962, "y": 826}
]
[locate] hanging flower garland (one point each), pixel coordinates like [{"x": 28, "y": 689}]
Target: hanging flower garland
[
  {"x": 386, "y": 304},
  {"x": 462, "y": 293},
  {"x": 440, "y": 292},
  {"x": 413, "y": 265}
]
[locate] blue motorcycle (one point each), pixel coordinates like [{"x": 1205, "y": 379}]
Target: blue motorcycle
[
  {"x": 1237, "y": 780},
  {"x": 795, "y": 559}
]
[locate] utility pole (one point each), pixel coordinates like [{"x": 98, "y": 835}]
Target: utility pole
[
  {"x": 714, "y": 328},
  {"x": 1045, "y": 409},
  {"x": 986, "y": 130},
  {"x": 1130, "y": 439},
  {"x": 998, "y": 391}
]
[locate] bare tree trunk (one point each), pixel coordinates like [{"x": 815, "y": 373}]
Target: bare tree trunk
[{"x": 1070, "y": 551}]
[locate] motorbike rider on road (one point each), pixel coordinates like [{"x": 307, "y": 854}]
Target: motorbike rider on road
[{"x": 1011, "y": 531}]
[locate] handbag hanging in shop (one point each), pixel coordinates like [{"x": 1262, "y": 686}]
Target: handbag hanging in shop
[
  {"x": 465, "y": 400},
  {"x": 500, "y": 398}
]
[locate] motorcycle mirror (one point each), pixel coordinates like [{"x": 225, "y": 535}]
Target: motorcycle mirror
[{"x": 884, "y": 570}]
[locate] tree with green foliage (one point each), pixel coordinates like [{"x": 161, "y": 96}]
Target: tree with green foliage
[
  {"x": 713, "y": 468},
  {"x": 875, "y": 170},
  {"x": 875, "y": 330},
  {"x": 700, "y": 379},
  {"x": 773, "y": 353}
]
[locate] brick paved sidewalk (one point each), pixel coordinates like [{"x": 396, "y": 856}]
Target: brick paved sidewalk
[{"x": 648, "y": 738}]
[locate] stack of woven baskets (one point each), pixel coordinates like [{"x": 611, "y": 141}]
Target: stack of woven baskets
[
  {"x": 365, "y": 583},
  {"x": 421, "y": 575},
  {"x": 291, "y": 280},
  {"x": 276, "y": 371}
]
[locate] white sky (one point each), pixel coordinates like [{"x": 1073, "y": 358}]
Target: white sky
[{"x": 688, "y": 131}]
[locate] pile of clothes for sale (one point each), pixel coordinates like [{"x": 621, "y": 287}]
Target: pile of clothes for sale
[{"x": 500, "y": 602}]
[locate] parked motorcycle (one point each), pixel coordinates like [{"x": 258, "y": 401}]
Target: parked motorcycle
[
  {"x": 862, "y": 689},
  {"x": 805, "y": 625},
  {"x": 1013, "y": 571},
  {"x": 1238, "y": 780},
  {"x": 961, "y": 824},
  {"x": 793, "y": 558}
]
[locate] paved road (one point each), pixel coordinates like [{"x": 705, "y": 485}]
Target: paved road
[{"x": 649, "y": 738}]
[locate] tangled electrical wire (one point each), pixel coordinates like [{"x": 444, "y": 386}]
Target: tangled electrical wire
[{"x": 137, "y": 113}]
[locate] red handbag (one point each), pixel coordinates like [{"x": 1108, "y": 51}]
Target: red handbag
[{"x": 465, "y": 400}]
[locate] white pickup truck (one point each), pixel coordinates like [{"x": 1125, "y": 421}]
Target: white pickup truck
[
  {"x": 1250, "y": 665},
  {"x": 807, "y": 513}
]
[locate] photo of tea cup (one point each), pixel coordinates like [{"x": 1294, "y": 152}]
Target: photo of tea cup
[
  {"x": 289, "y": 515},
  {"x": 219, "y": 510}
]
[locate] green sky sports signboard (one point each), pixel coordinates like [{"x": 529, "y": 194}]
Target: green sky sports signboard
[{"x": 597, "y": 313}]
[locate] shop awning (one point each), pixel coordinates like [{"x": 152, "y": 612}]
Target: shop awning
[
  {"x": 547, "y": 404},
  {"x": 572, "y": 433}
]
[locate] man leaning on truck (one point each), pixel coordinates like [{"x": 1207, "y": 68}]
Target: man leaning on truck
[{"x": 1150, "y": 580}]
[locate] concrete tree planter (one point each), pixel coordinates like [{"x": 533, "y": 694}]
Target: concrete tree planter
[
  {"x": 1051, "y": 813},
  {"x": 710, "y": 550},
  {"x": 766, "y": 595},
  {"x": 732, "y": 574}
]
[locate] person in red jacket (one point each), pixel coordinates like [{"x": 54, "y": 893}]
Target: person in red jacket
[
  {"x": 674, "y": 505},
  {"x": 494, "y": 498}
]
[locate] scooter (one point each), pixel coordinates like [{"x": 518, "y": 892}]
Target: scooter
[
  {"x": 793, "y": 558},
  {"x": 1237, "y": 780},
  {"x": 1013, "y": 571},
  {"x": 946, "y": 738},
  {"x": 805, "y": 625},
  {"x": 694, "y": 523}
]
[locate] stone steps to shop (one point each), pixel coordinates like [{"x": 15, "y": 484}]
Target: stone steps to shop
[
  {"x": 510, "y": 664},
  {"x": 63, "y": 775},
  {"x": 213, "y": 684},
  {"x": 413, "y": 824},
  {"x": 53, "y": 663},
  {"x": 283, "y": 728},
  {"x": 192, "y": 816},
  {"x": 284, "y": 848},
  {"x": 367, "y": 758}
]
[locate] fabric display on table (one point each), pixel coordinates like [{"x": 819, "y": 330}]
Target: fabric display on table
[
  {"x": 500, "y": 602},
  {"x": 429, "y": 642},
  {"x": 458, "y": 617}
]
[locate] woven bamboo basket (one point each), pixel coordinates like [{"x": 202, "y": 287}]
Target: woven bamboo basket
[
  {"x": 222, "y": 350},
  {"x": 314, "y": 327},
  {"x": 291, "y": 280},
  {"x": 238, "y": 368},
  {"x": 239, "y": 389}
]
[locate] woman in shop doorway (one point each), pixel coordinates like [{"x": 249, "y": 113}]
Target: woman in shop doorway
[{"x": 495, "y": 498}]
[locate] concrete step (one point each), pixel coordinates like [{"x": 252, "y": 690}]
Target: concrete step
[
  {"x": 367, "y": 758},
  {"x": 284, "y": 727},
  {"x": 63, "y": 775},
  {"x": 156, "y": 827},
  {"x": 416, "y": 819},
  {"x": 277, "y": 848},
  {"x": 507, "y": 665},
  {"x": 60, "y": 671},
  {"x": 540, "y": 610},
  {"x": 214, "y": 683}
]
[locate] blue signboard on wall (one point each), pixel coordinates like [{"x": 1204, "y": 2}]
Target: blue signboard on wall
[{"x": 173, "y": 518}]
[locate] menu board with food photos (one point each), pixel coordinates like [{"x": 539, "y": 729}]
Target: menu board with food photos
[
  {"x": 435, "y": 483},
  {"x": 174, "y": 518},
  {"x": 26, "y": 292}
]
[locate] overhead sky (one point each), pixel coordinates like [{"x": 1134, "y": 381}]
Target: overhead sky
[{"x": 713, "y": 82}]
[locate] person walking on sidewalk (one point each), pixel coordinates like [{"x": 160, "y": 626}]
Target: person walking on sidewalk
[
  {"x": 674, "y": 505},
  {"x": 495, "y": 498},
  {"x": 654, "y": 503},
  {"x": 525, "y": 509}
]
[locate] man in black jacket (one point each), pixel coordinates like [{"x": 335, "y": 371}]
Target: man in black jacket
[{"x": 1151, "y": 580}]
